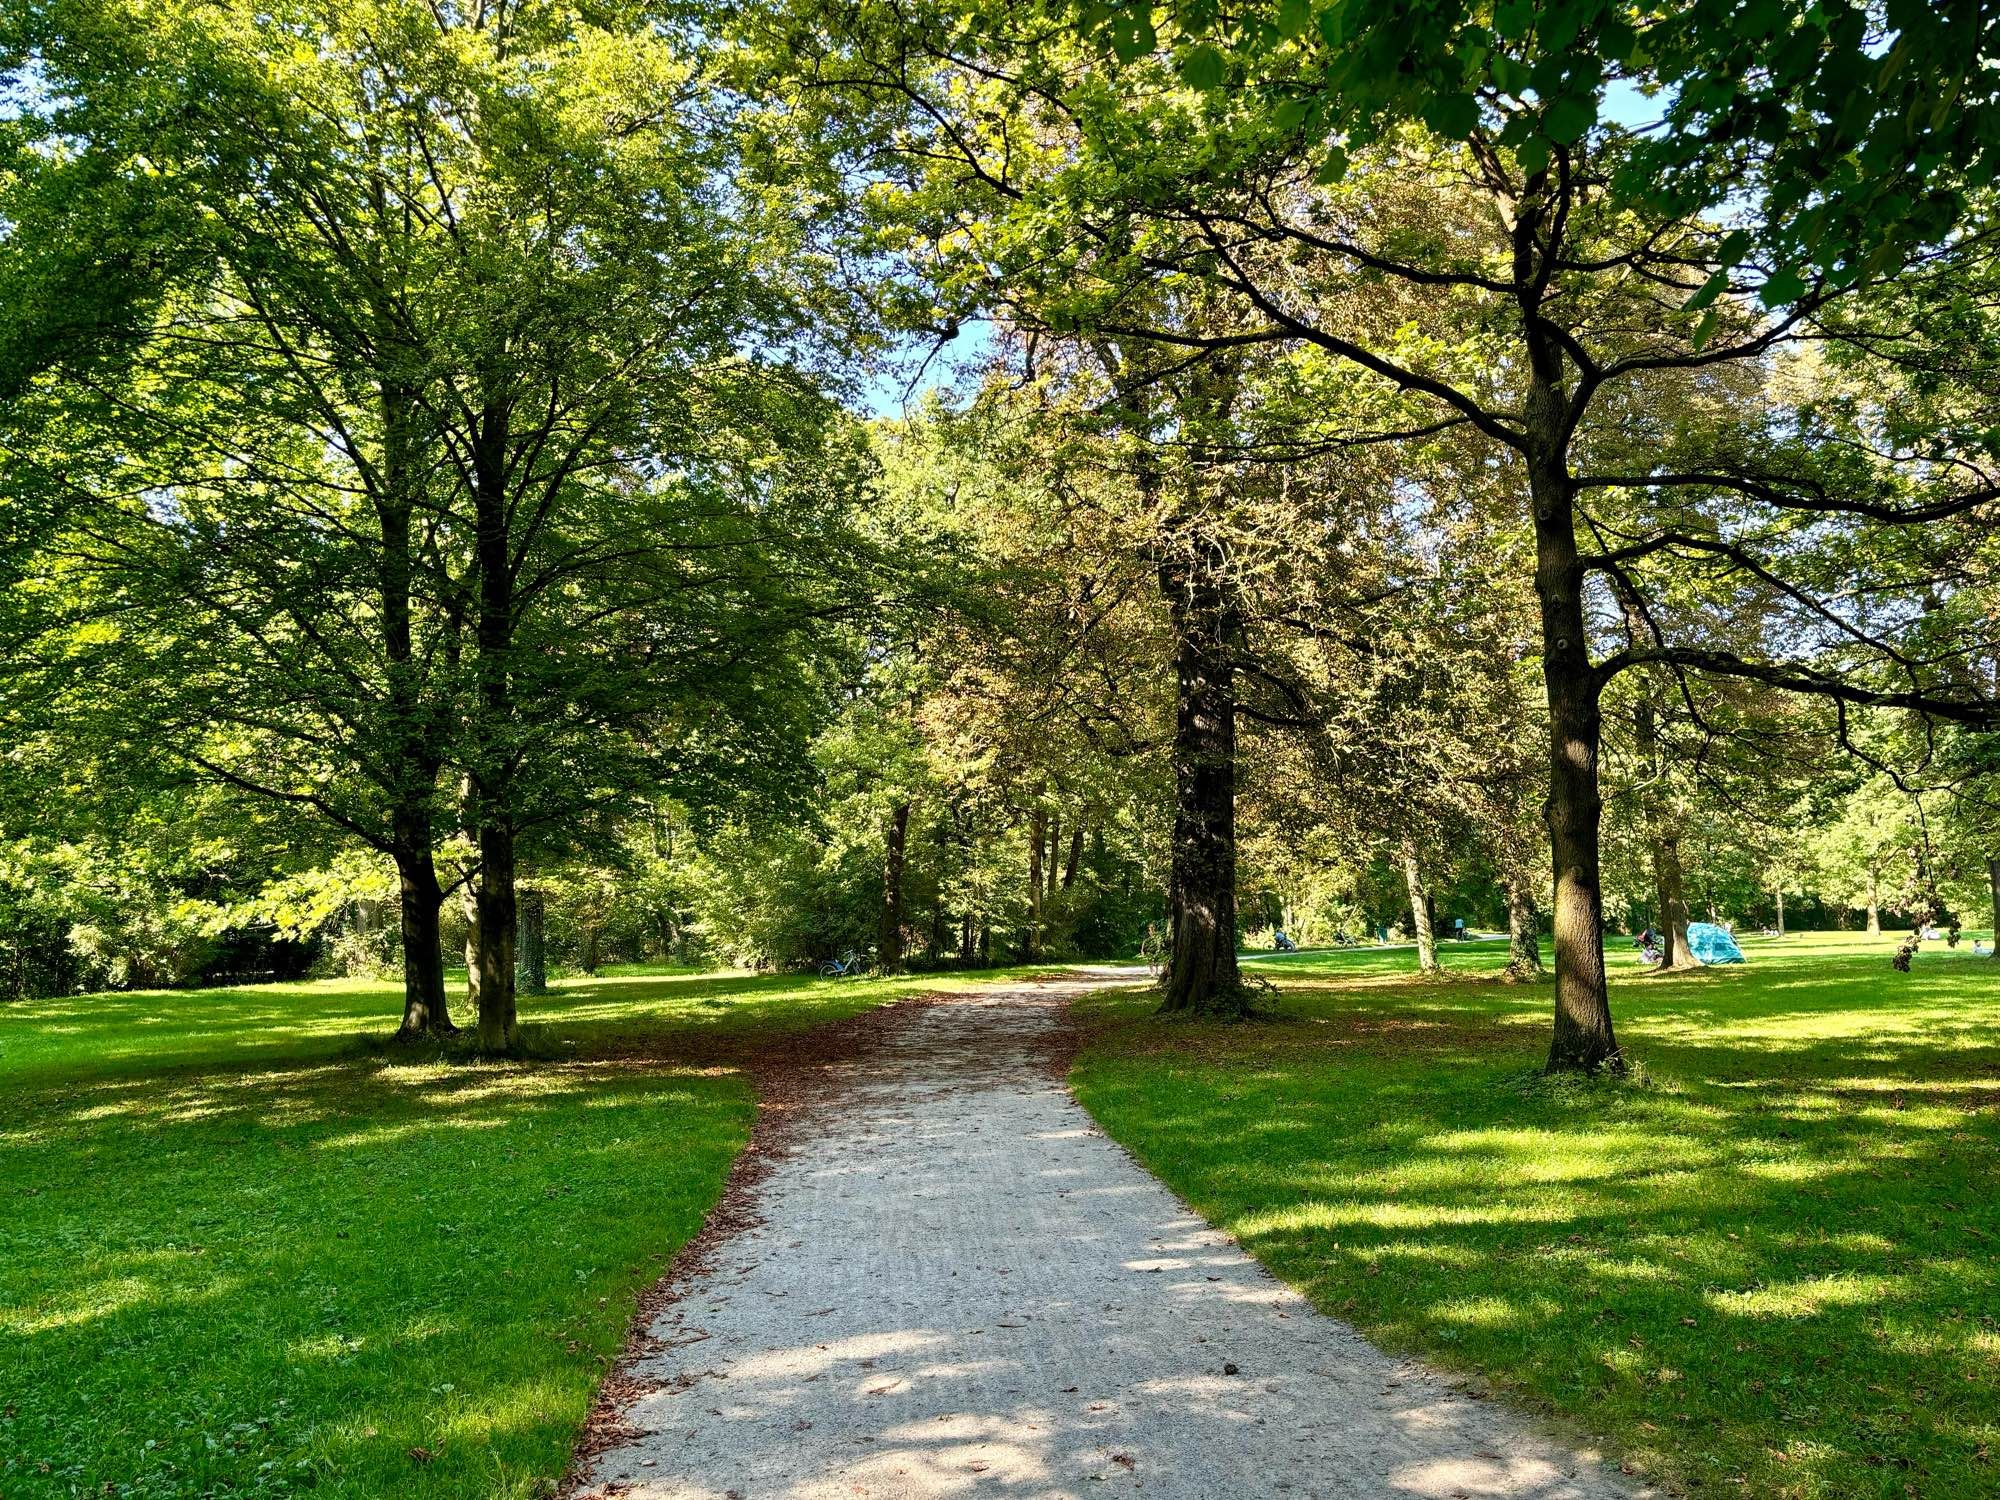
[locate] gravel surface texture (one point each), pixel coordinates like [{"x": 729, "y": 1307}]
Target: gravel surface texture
[{"x": 947, "y": 1281}]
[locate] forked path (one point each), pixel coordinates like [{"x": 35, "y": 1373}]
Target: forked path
[{"x": 956, "y": 1285}]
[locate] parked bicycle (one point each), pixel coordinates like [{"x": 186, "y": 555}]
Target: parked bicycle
[{"x": 847, "y": 965}]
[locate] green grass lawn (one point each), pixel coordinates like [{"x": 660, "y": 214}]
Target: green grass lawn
[
  {"x": 1769, "y": 1266},
  {"x": 246, "y": 1249}
]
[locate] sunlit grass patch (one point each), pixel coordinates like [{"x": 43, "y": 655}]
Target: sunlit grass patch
[
  {"x": 248, "y": 1249},
  {"x": 1770, "y": 1267}
]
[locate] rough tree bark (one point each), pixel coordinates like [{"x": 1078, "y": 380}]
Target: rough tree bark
[
  {"x": 1670, "y": 886},
  {"x": 416, "y": 760},
  {"x": 1421, "y": 926},
  {"x": 1524, "y": 946},
  {"x": 891, "y": 936},
  {"x": 425, "y": 1009},
  {"x": 1778, "y": 892},
  {"x": 1075, "y": 856},
  {"x": 499, "y": 1027},
  {"x": 1201, "y": 974},
  {"x": 1583, "y": 1038},
  {"x": 531, "y": 976},
  {"x": 468, "y": 900},
  {"x": 1874, "y": 903}
]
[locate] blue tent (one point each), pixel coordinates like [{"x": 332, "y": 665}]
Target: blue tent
[{"x": 1712, "y": 944}]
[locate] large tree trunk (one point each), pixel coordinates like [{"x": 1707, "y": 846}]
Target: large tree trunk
[
  {"x": 1670, "y": 883},
  {"x": 499, "y": 914},
  {"x": 1778, "y": 893},
  {"x": 1201, "y": 975},
  {"x": 1582, "y": 1037},
  {"x": 1524, "y": 944},
  {"x": 493, "y": 775},
  {"x": 891, "y": 937},
  {"x": 425, "y": 1010},
  {"x": 1874, "y": 904},
  {"x": 1421, "y": 926},
  {"x": 468, "y": 902},
  {"x": 414, "y": 759},
  {"x": 531, "y": 974},
  {"x": 1075, "y": 856}
]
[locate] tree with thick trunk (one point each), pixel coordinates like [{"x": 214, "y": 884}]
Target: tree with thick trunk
[
  {"x": 416, "y": 753},
  {"x": 499, "y": 913},
  {"x": 1874, "y": 899},
  {"x": 468, "y": 906},
  {"x": 290, "y": 646},
  {"x": 1524, "y": 940},
  {"x": 1582, "y": 1038},
  {"x": 494, "y": 757},
  {"x": 1421, "y": 926},
  {"x": 1031, "y": 935},
  {"x": 1201, "y": 975},
  {"x": 532, "y": 974},
  {"x": 890, "y": 939},
  {"x": 425, "y": 1009},
  {"x": 1670, "y": 890},
  {"x": 1606, "y": 282}
]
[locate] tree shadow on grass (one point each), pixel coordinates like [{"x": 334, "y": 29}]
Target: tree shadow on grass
[
  {"x": 255, "y": 1279},
  {"x": 1768, "y": 1268}
]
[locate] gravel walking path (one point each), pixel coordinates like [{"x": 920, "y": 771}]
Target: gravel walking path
[{"x": 954, "y": 1284}]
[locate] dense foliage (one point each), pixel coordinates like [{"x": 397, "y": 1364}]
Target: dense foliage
[{"x": 1526, "y": 466}]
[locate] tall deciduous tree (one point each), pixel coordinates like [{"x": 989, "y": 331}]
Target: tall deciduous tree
[
  {"x": 472, "y": 441},
  {"x": 1581, "y": 288}
]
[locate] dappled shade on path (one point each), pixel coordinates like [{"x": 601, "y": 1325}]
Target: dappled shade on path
[{"x": 957, "y": 1285}]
